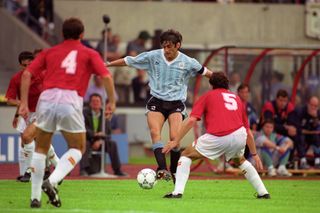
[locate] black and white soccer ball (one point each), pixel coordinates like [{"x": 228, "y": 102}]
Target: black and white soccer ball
[{"x": 147, "y": 178}]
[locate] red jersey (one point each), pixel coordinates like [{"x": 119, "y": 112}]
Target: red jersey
[
  {"x": 35, "y": 90},
  {"x": 69, "y": 66},
  {"x": 223, "y": 112}
]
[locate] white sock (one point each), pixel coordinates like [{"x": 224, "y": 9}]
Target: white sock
[
  {"x": 28, "y": 152},
  {"x": 66, "y": 163},
  {"x": 253, "y": 177},
  {"x": 182, "y": 175},
  {"x": 37, "y": 167},
  {"x": 22, "y": 161},
  {"x": 52, "y": 157}
]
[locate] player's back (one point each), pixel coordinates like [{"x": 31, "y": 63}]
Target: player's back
[
  {"x": 223, "y": 112},
  {"x": 68, "y": 66}
]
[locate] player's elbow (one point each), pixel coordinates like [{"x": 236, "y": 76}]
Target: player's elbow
[{"x": 192, "y": 121}]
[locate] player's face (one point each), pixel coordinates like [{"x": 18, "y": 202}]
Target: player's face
[
  {"x": 268, "y": 129},
  {"x": 170, "y": 50},
  {"x": 282, "y": 102},
  {"x": 95, "y": 103},
  {"x": 25, "y": 63}
]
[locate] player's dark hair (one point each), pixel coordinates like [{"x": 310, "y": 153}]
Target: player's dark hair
[
  {"x": 243, "y": 86},
  {"x": 37, "y": 51},
  {"x": 219, "y": 80},
  {"x": 95, "y": 95},
  {"x": 282, "y": 93},
  {"x": 171, "y": 36},
  {"x": 72, "y": 28},
  {"x": 25, "y": 55}
]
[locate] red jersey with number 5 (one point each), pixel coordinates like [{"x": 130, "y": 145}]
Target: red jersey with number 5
[
  {"x": 223, "y": 112},
  {"x": 69, "y": 66}
]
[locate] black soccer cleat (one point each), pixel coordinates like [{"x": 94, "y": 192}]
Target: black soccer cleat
[
  {"x": 35, "y": 203},
  {"x": 26, "y": 177},
  {"x": 164, "y": 175},
  {"x": 52, "y": 193},
  {"x": 265, "y": 196},
  {"x": 170, "y": 195},
  {"x": 47, "y": 174}
]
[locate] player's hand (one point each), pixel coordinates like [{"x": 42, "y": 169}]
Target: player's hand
[
  {"x": 169, "y": 146},
  {"x": 15, "y": 122},
  {"x": 259, "y": 165},
  {"x": 24, "y": 110},
  {"x": 96, "y": 145},
  {"x": 110, "y": 108}
]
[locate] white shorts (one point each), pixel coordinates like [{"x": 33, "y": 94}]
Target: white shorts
[
  {"x": 22, "y": 123},
  {"x": 59, "y": 116},
  {"x": 232, "y": 145}
]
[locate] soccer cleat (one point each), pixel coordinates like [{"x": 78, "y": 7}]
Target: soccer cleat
[
  {"x": 52, "y": 193},
  {"x": 26, "y": 177},
  {"x": 164, "y": 175},
  {"x": 170, "y": 195},
  {"x": 265, "y": 196},
  {"x": 35, "y": 203},
  {"x": 19, "y": 178},
  {"x": 47, "y": 173}
]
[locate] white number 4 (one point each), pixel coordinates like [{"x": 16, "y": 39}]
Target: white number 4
[
  {"x": 230, "y": 101},
  {"x": 70, "y": 62}
]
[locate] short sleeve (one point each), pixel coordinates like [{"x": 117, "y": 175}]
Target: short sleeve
[
  {"x": 140, "y": 61},
  {"x": 196, "y": 67},
  {"x": 199, "y": 108}
]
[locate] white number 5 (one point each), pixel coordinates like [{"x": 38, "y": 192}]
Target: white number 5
[
  {"x": 230, "y": 101},
  {"x": 70, "y": 62}
]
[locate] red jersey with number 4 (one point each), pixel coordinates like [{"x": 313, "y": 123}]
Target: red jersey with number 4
[
  {"x": 69, "y": 66},
  {"x": 223, "y": 112},
  {"x": 35, "y": 90}
]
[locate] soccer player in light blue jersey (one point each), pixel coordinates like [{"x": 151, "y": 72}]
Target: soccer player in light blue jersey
[{"x": 169, "y": 72}]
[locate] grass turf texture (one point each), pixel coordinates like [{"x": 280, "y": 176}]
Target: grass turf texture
[{"x": 93, "y": 196}]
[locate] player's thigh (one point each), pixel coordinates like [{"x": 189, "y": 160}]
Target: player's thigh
[
  {"x": 155, "y": 122},
  {"x": 191, "y": 152},
  {"x": 175, "y": 121},
  {"x": 43, "y": 141},
  {"x": 75, "y": 140}
]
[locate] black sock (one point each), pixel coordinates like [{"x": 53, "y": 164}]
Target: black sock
[
  {"x": 161, "y": 159},
  {"x": 174, "y": 158}
]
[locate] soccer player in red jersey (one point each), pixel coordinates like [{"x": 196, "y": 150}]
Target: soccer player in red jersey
[
  {"x": 227, "y": 134},
  {"x": 26, "y": 126},
  {"x": 68, "y": 66}
]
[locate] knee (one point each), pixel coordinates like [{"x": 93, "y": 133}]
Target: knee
[{"x": 26, "y": 137}]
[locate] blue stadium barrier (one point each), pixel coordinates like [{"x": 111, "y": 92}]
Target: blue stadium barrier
[{"x": 9, "y": 147}]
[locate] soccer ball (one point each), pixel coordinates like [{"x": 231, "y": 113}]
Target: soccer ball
[{"x": 147, "y": 178}]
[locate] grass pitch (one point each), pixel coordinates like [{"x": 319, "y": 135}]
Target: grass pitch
[{"x": 93, "y": 196}]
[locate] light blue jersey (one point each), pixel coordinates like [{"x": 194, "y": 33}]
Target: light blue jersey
[{"x": 168, "y": 81}]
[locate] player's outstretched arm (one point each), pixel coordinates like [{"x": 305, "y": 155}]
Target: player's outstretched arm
[
  {"x": 208, "y": 73},
  {"x": 24, "y": 91},
  {"x": 118, "y": 62},
  {"x": 252, "y": 147},
  {"x": 109, "y": 87},
  {"x": 185, "y": 128}
]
